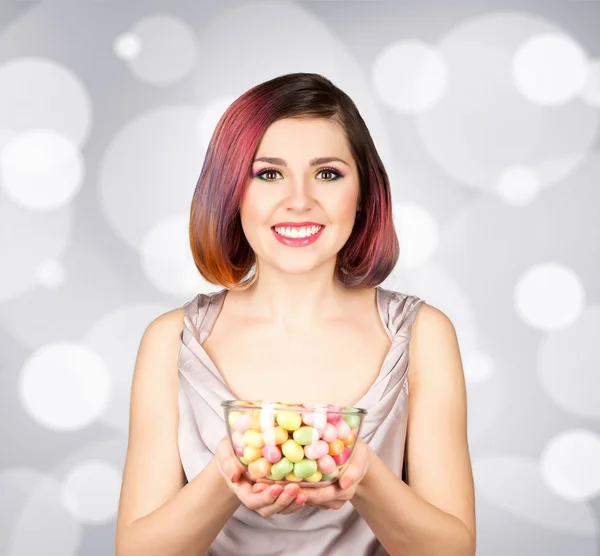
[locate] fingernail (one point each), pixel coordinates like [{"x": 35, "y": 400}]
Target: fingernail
[
  {"x": 345, "y": 484},
  {"x": 276, "y": 490},
  {"x": 300, "y": 500}
]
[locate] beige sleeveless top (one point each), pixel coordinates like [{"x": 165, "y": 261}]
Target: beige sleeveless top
[{"x": 311, "y": 531}]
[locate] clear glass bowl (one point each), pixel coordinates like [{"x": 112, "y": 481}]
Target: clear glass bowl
[{"x": 292, "y": 443}]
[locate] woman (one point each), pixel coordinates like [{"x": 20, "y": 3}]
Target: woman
[{"x": 292, "y": 187}]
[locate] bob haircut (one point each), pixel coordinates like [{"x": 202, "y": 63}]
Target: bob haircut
[{"x": 219, "y": 247}]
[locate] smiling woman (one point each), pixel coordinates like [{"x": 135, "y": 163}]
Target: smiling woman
[{"x": 293, "y": 187}]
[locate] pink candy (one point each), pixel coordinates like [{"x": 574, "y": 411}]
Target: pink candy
[
  {"x": 329, "y": 433},
  {"x": 343, "y": 430},
  {"x": 343, "y": 457},
  {"x": 271, "y": 453},
  {"x": 238, "y": 438},
  {"x": 243, "y": 422},
  {"x": 316, "y": 450},
  {"x": 326, "y": 464},
  {"x": 238, "y": 449}
]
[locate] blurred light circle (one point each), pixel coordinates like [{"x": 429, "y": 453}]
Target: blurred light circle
[
  {"x": 568, "y": 363},
  {"x": 550, "y": 69},
  {"x": 478, "y": 366},
  {"x": 549, "y": 296},
  {"x": 40, "y": 93},
  {"x": 591, "y": 90},
  {"x": 518, "y": 185},
  {"x": 64, "y": 386},
  {"x": 50, "y": 273},
  {"x": 41, "y": 169},
  {"x": 570, "y": 464},
  {"x": 167, "y": 260},
  {"x": 409, "y": 76},
  {"x": 127, "y": 46},
  {"x": 418, "y": 234},
  {"x": 166, "y": 52},
  {"x": 90, "y": 491}
]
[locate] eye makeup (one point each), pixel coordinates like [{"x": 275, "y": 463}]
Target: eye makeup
[{"x": 336, "y": 171}]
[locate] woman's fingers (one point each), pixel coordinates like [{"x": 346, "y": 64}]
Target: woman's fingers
[{"x": 286, "y": 498}]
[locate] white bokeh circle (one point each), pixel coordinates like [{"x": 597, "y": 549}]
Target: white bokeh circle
[
  {"x": 570, "y": 464},
  {"x": 64, "y": 386},
  {"x": 40, "y": 93},
  {"x": 514, "y": 484},
  {"x": 41, "y": 169},
  {"x": 568, "y": 363},
  {"x": 409, "y": 76},
  {"x": 127, "y": 46},
  {"x": 51, "y": 273},
  {"x": 549, "y": 296},
  {"x": 210, "y": 115},
  {"x": 167, "y": 260},
  {"x": 418, "y": 234},
  {"x": 478, "y": 366},
  {"x": 550, "y": 69},
  {"x": 163, "y": 51},
  {"x": 518, "y": 185},
  {"x": 591, "y": 90},
  {"x": 90, "y": 491}
]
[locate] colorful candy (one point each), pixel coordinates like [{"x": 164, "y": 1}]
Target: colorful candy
[{"x": 310, "y": 445}]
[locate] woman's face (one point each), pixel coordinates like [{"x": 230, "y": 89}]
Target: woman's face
[{"x": 294, "y": 190}]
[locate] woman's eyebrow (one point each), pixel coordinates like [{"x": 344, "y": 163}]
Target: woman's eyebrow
[{"x": 313, "y": 162}]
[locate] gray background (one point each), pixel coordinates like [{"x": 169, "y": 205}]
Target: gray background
[{"x": 486, "y": 115}]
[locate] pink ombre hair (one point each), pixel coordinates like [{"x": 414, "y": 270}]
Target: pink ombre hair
[{"x": 219, "y": 247}]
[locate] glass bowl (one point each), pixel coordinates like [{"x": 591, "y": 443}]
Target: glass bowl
[{"x": 292, "y": 443}]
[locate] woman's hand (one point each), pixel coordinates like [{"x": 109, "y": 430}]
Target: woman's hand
[
  {"x": 334, "y": 496},
  {"x": 265, "y": 501}
]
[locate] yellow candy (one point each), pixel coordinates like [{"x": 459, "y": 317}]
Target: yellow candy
[
  {"x": 315, "y": 478},
  {"x": 255, "y": 420},
  {"x": 292, "y": 451},
  {"x": 275, "y": 436},
  {"x": 254, "y": 438},
  {"x": 293, "y": 478},
  {"x": 233, "y": 417},
  {"x": 251, "y": 453},
  {"x": 259, "y": 468},
  {"x": 289, "y": 420}
]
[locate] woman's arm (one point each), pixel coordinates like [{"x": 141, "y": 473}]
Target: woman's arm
[
  {"x": 435, "y": 515},
  {"x": 159, "y": 513}
]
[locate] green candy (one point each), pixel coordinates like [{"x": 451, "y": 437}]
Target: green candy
[
  {"x": 244, "y": 460},
  {"x": 306, "y": 435},
  {"x": 275, "y": 477},
  {"x": 352, "y": 420},
  {"x": 329, "y": 476},
  {"x": 281, "y": 468},
  {"x": 305, "y": 468}
]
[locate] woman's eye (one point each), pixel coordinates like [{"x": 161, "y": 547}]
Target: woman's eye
[{"x": 265, "y": 173}]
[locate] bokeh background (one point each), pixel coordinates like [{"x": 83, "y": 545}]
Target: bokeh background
[{"x": 486, "y": 114}]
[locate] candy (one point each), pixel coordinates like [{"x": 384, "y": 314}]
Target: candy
[
  {"x": 315, "y": 478},
  {"x": 341, "y": 458},
  {"x": 305, "y": 468},
  {"x": 254, "y": 438},
  {"x": 292, "y": 450},
  {"x": 316, "y": 450},
  {"x": 233, "y": 417},
  {"x": 343, "y": 430},
  {"x": 282, "y": 467},
  {"x": 274, "y": 436},
  {"x": 271, "y": 453},
  {"x": 289, "y": 420},
  {"x": 353, "y": 421},
  {"x": 296, "y": 444},
  {"x": 329, "y": 433},
  {"x": 259, "y": 468},
  {"x": 326, "y": 464},
  {"x": 242, "y": 424},
  {"x": 349, "y": 441},
  {"x": 336, "y": 447},
  {"x": 306, "y": 435},
  {"x": 251, "y": 453}
]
